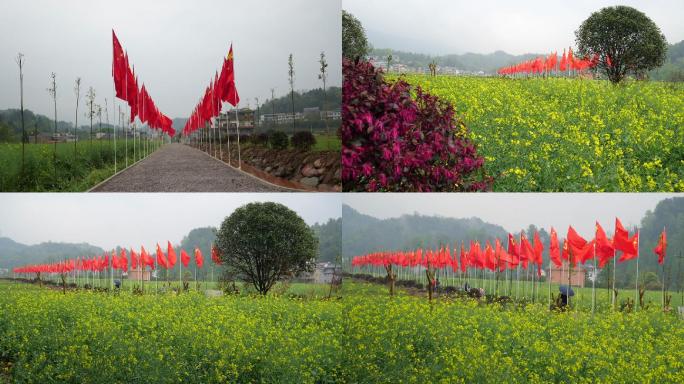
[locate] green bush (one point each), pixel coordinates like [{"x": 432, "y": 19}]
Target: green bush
[
  {"x": 278, "y": 140},
  {"x": 303, "y": 140}
]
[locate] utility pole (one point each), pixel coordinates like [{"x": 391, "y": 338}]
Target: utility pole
[{"x": 20, "y": 62}]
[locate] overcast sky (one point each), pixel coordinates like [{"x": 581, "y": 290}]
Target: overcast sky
[
  {"x": 515, "y": 211},
  {"x": 485, "y": 26},
  {"x": 175, "y": 45},
  {"x": 133, "y": 219}
]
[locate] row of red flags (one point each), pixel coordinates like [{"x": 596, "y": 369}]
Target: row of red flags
[
  {"x": 549, "y": 64},
  {"x": 126, "y": 87},
  {"x": 121, "y": 261},
  {"x": 221, "y": 88},
  {"x": 575, "y": 250}
]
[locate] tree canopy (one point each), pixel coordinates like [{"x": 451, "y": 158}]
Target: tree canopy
[
  {"x": 354, "y": 42},
  {"x": 262, "y": 242},
  {"x": 625, "y": 41}
]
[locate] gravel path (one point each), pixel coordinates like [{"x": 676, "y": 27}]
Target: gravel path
[{"x": 180, "y": 168}]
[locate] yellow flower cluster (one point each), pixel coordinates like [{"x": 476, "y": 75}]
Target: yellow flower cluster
[
  {"x": 364, "y": 337},
  {"x": 569, "y": 134}
]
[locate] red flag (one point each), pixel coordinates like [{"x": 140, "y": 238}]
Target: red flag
[
  {"x": 489, "y": 259},
  {"x": 123, "y": 261},
  {"x": 228, "y": 91},
  {"x": 134, "y": 259},
  {"x": 554, "y": 251},
  {"x": 635, "y": 246},
  {"x": 170, "y": 256},
  {"x": 464, "y": 259},
  {"x": 161, "y": 259},
  {"x": 661, "y": 248},
  {"x": 604, "y": 247},
  {"x": 526, "y": 251},
  {"x": 215, "y": 256},
  {"x": 621, "y": 240},
  {"x": 145, "y": 258},
  {"x": 115, "y": 260},
  {"x": 513, "y": 250},
  {"x": 185, "y": 259},
  {"x": 538, "y": 249},
  {"x": 199, "y": 260},
  {"x": 118, "y": 68},
  {"x": 575, "y": 241}
]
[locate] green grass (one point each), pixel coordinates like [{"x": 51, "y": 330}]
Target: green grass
[
  {"x": 43, "y": 171},
  {"x": 327, "y": 143},
  {"x": 524, "y": 289}
]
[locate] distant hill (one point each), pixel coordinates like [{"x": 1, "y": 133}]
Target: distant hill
[
  {"x": 330, "y": 100},
  {"x": 14, "y": 254},
  {"x": 672, "y": 70},
  {"x": 10, "y": 125},
  {"x": 488, "y": 63},
  {"x": 362, "y": 233},
  {"x": 329, "y": 239}
]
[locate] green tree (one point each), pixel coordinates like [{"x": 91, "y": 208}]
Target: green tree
[
  {"x": 5, "y": 133},
  {"x": 354, "y": 42},
  {"x": 624, "y": 39},
  {"x": 263, "y": 242}
]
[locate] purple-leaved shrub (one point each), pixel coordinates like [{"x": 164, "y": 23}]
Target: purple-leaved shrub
[{"x": 393, "y": 142}]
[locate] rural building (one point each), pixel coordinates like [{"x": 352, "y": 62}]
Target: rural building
[
  {"x": 322, "y": 274},
  {"x": 325, "y": 272},
  {"x": 246, "y": 119},
  {"x": 136, "y": 274},
  {"x": 49, "y": 138},
  {"x": 560, "y": 275},
  {"x": 280, "y": 118}
]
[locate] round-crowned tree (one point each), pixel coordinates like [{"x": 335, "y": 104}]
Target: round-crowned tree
[
  {"x": 262, "y": 242},
  {"x": 623, "y": 39}
]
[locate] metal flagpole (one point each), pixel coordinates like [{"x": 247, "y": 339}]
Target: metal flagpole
[
  {"x": 636, "y": 302},
  {"x": 228, "y": 138},
  {"x": 612, "y": 294},
  {"x": 114, "y": 121},
  {"x": 593, "y": 280},
  {"x": 548, "y": 277},
  {"x": 126, "y": 137},
  {"x": 663, "y": 250},
  {"x": 180, "y": 277},
  {"x": 237, "y": 128}
]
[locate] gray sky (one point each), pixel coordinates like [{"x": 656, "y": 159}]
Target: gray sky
[
  {"x": 484, "y": 26},
  {"x": 132, "y": 219},
  {"x": 515, "y": 211},
  {"x": 176, "y": 46}
]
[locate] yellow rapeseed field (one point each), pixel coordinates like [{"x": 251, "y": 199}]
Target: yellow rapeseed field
[
  {"x": 570, "y": 134},
  {"x": 363, "y": 337}
]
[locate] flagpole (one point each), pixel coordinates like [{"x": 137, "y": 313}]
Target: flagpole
[
  {"x": 228, "y": 139},
  {"x": 237, "y": 127},
  {"x": 636, "y": 302},
  {"x": 548, "y": 277},
  {"x": 593, "y": 280},
  {"x": 180, "y": 277},
  {"x": 664, "y": 248},
  {"x": 612, "y": 294}
]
